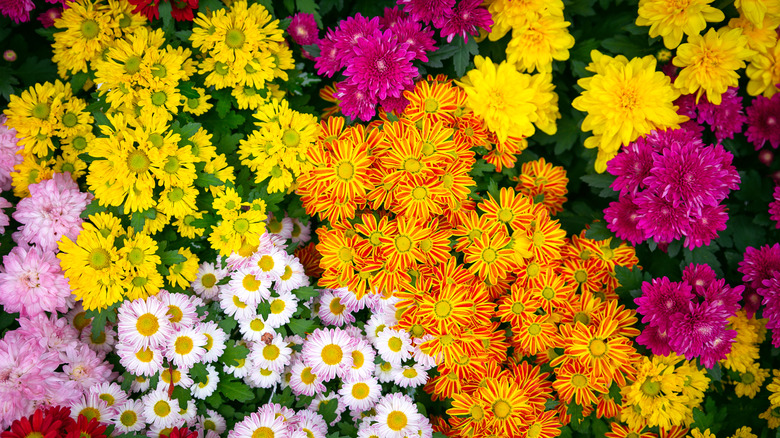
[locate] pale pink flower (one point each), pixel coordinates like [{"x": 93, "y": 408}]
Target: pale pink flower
[{"x": 32, "y": 282}]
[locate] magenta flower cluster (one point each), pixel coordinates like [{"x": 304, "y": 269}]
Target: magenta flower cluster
[
  {"x": 760, "y": 269},
  {"x": 689, "y": 317},
  {"x": 19, "y": 10},
  {"x": 671, "y": 186},
  {"x": 461, "y": 19},
  {"x": 724, "y": 120},
  {"x": 763, "y": 118}
]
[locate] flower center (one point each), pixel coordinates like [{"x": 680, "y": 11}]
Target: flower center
[
  {"x": 147, "y": 324},
  {"x": 332, "y": 354},
  {"x": 277, "y": 306},
  {"x": 145, "y": 355},
  {"x": 505, "y": 215},
  {"x": 263, "y": 432},
  {"x": 430, "y": 105},
  {"x": 345, "y": 171},
  {"x": 132, "y": 64},
  {"x": 357, "y": 359},
  {"x": 411, "y": 165},
  {"x": 403, "y": 244},
  {"x": 138, "y": 162},
  {"x": 90, "y": 29},
  {"x": 651, "y": 388},
  {"x": 271, "y": 352},
  {"x": 360, "y": 391},
  {"x": 183, "y": 345},
  {"x": 162, "y": 408},
  {"x": 597, "y": 347},
  {"x": 250, "y": 283},
  {"x": 579, "y": 381},
  {"x": 397, "y": 420},
  {"x": 442, "y": 309},
  {"x": 266, "y": 263},
  {"x": 128, "y": 418},
  {"x": 70, "y": 120},
  {"x": 208, "y": 280},
  {"x": 234, "y": 38},
  {"x": 502, "y": 409},
  {"x": 336, "y": 307},
  {"x": 419, "y": 193},
  {"x": 307, "y": 377},
  {"x": 99, "y": 259},
  {"x": 489, "y": 255},
  {"x": 241, "y": 226},
  {"x": 395, "y": 344}
]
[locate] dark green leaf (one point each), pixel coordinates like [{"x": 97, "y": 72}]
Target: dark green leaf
[
  {"x": 99, "y": 318},
  {"x": 235, "y": 390},
  {"x": 301, "y": 326},
  {"x": 207, "y": 179},
  {"x": 171, "y": 257},
  {"x": 233, "y": 353},
  {"x": 183, "y": 395},
  {"x": 78, "y": 80},
  {"x": 327, "y": 409},
  {"x": 599, "y": 231},
  {"x": 629, "y": 279},
  {"x": 306, "y": 292},
  {"x": 227, "y": 324},
  {"x": 199, "y": 373},
  {"x": 127, "y": 380},
  {"x": 715, "y": 373},
  {"x": 216, "y": 402}
]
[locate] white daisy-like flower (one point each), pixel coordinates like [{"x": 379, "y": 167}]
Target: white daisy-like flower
[
  {"x": 259, "y": 425},
  {"x": 279, "y": 227},
  {"x": 332, "y": 311},
  {"x": 274, "y": 355},
  {"x": 394, "y": 346},
  {"x": 376, "y": 323},
  {"x": 328, "y": 352},
  {"x": 92, "y": 406},
  {"x": 241, "y": 369},
  {"x": 254, "y": 329},
  {"x": 270, "y": 262},
  {"x": 361, "y": 394},
  {"x": 351, "y": 300},
  {"x": 190, "y": 414},
  {"x": 212, "y": 421},
  {"x": 385, "y": 306},
  {"x": 158, "y": 431},
  {"x": 130, "y": 416},
  {"x": 179, "y": 376},
  {"x": 311, "y": 423},
  {"x": 263, "y": 378},
  {"x": 202, "y": 390},
  {"x": 77, "y": 317},
  {"x": 215, "y": 341},
  {"x": 250, "y": 286},
  {"x": 282, "y": 308},
  {"x": 233, "y": 306},
  {"x": 104, "y": 341},
  {"x": 362, "y": 361},
  {"x": 368, "y": 430},
  {"x": 423, "y": 359},
  {"x": 293, "y": 277},
  {"x": 410, "y": 376},
  {"x": 206, "y": 283},
  {"x": 143, "y": 361},
  {"x": 303, "y": 381},
  {"x": 140, "y": 384},
  {"x": 322, "y": 399},
  {"x": 186, "y": 347},
  {"x": 182, "y": 310},
  {"x": 159, "y": 410},
  {"x": 397, "y": 416},
  {"x": 301, "y": 233},
  {"x": 384, "y": 372},
  {"x": 111, "y": 393},
  {"x": 425, "y": 430},
  {"x": 144, "y": 323}
]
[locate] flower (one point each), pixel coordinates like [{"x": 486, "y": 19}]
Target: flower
[
  {"x": 669, "y": 19},
  {"x": 763, "y": 120},
  {"x": 764, "y": 73},
  {"x": 467, "y": 17},
  {"x": 624, "y": 100},
  {"x": 303, "y": 29},
  {"x": 710, "y": 63},
  {"x": 33, "y": 282},
  {"x": 536, "y": 44}
]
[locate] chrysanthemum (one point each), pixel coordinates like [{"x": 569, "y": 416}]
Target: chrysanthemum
[
  {"x": 303, "y": 29},
  {"x": 394, "y": 346},
  {"x": 130, "y": 416},
  {"x": 215, "y": 341},
  {"x": 502, "y": 97},
  {"x": 265, "y": 425},
  {"x": 33, "y": 282},
  {"x": 536, "y": 44},
  {"x": 328, "y": 352},
  {"x": 727, "y": 118},
  {"x": 185, "y": 347},
  {"x": 764, "y": 73},
  {"x": 201, "y": 390},
  {"x": 397, "y": 416},
  {"x": 160, "y": 410},
  {"x": 710, "y": 63},
  {"x": 303, "y": 381},
  {"x": 466, "y": 18},
  {"x": 661, "y": 299},
  {"x": 361, "y": 394},
  {"x": 698, "y": 332},
  {"x": 763, "y": 119},
  {"x": 144, "y": 323},
  {"x": 624, "y": 100},
  {"x": 426, "y": 11},
  {"x": 670, "y": 19},
  {"x": 282, "y": 309}
]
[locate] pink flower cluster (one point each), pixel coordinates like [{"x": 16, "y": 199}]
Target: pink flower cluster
[
  {"x": 43, "y": 363},
  {"x": 689, "y": 317},
  {"x": 461, "y": 19},
  {"x": 760, "y": 270},
  {"x": 671, "y": 186},
  {"x": 763, "y": 118},
  {"x": 9, "y": 153},
  {"x": 724, "y": 120},
  {"x": 19, "y": 10}
]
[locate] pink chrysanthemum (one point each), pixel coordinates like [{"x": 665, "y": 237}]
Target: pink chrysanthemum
[
  {"x": 774, "y": 207},
  {"x": 631, "y": 166},
  {"x": 381, "y": 65},
  {"x": 699, "y": 277},
  {"x": 763, "y": 119},
  {"x": 622, "y": 218},
  {"x": 759, "y": 264},
  {"x": 725, "y": 119},
  {"x": 48, "y": 18},
  {"x": 17, "y": 10},
  {"x": 355, "y": 101},
  {"x": 32, "y": 282},
  {"x": 704, "y": 227},
  {"x": 661, "y": 299},
  {"x": 328, "y": 62},
  {"x": 51, "y": 211},
  {"x": 465, "y": 19},
  {"x": 695, "y": 330},
  {"x": 427, "y": 11},
  {"x": 86, "y": 366},
  {"x": 347, "y": 36},
  {"x": 303, "y": 29},
  {"x": 4, "y": 219},
  {"x": 770, "y": 292},
  {"x": 660, "y": 219},
  {"x": 51, "y": 333},
  {"x": 419, "y": 38},
  {"x": 9, "y": 156},
  {"x": 328, "y": 352},
  {"x": 655, "y": 339}
]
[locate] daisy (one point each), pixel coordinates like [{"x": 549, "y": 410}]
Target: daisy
[
  {"x": 397, "y": 416},
  {"x": 282, "y": 228},
  {"x": 130, "y": 416},
  {"x": 204, "y": 389},
  {"x": 160, "y": 410},
  {"x": 263, "y": 378},
  {"x": 254, "y": 425},
  {"x": 375, "y": 325},
  {"x": 250, "y": 286},
  {"x": 253, "y": 329},
  {"x": 311, "y": 423},
  {"x": 92, "y": 406},
  {"x": 362, "y": 361},
  {"x": 349, "y": 299},
  {"x": 332, "y": 311},
  {"x": 300, "y": 233},
  {"x": 189, "y": 415},
  {"x": 186, "y": 347},
  {"x": 104, "y": 341},
  {"x": 233, "y": 306},
  {"x": 144, "y": 323},
  {"x": 215, "y": 341},
  {"x": 303, "y": 381},
  {"x": 206, "y": 283},
  {"x": 394, "y": 346},
  {"x": 410, "y": 376},
  {"x": 181, "y": 308},
  {"x": 140, "y": 384},
  {"x": 328, "y": 352},
  {"x": 274, "y": 355},
  {"x": 293, "y": 277},
  {"x": 212, "y": 421},
  {"x": 282, "y": 308},
  {"x": 361, "y": 394},
  {"x": 269, "y": 262},
  {"x": 111, "y": 393},
  {"x": 385, "y": 372},
  {"x": 179, "y": 376},
  {"x": 242, "y": 369}
]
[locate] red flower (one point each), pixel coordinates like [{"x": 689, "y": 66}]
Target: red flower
[
  {"x": 38, "y": 424},
  {"x": 180, "y": 433},
  {"x": 83, "y": 428},
  {"x": 147, "y": 8},
  {"x": 182, "y": 9}
]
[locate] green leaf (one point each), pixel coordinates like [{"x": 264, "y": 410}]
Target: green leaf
[
  {"x": 235, "y": 390},
  {"x": 599, "y": 231},
  {"x": 233, "y": 353},
  {"x": 306, "y": 292},
  {"x": 264, "y": 309},
  {"x": 227, "y": 324},
  {"x": 301, "y": 326},
  {"x": 327, "y": 409},
  {"x": 99, "y": 318},
  {"x": 715, "y": 373},
  {"x": 127, "y": 380},
  {"x": 614, "y": 392},
  {"x": 493, "y": 189},
  {"x": 199, "y": 373},
  {"x": 601, "y": 181},
  {"x": 207, "y": 179},
  {"x": 94, "y": 207},
  {"x": 463, "y": 56},
  {"x": 183, "y": 395},
  {"x": 137, "y": 220},
  {"x": 623, "y": 45},
  {"x": 629, "y": 279},
  {"x": 78, "y": 80},
  {"x": 216, "y": 402},
  {"x": 480, "y": 167},
  {"x": 171, "y": 257}
]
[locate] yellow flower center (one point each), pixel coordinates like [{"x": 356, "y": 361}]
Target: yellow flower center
[
  {"x": 89, "y": 29},
  {"x": 360, "y": 391},
  {"x": 395, "y": 344},
  {"x": 534, "y": 329},
  {"x": 748, "y": 378},
  {"x": 489, "y": 255},
  {"x": 307, "y": 377},
  {"x": 277, "y": 306},
  {"x": 430, "y": 105},
  {"x": 518, "y": 308},
  {"x": 332, "y": 354},
  {"x": 579, "y": 381},
  {"x": 502, "y": 409},
  {"x": 651, "y": 388},
  {"x": 263, "y": 432},
  {"x": 99, "y": 259},
  {"x": 287, "y": 273},
  {"x": 597, "y": 347},
  {"x": 505, "y": 215},
  {"x": 256, "y": 325},
  {"x": 410, "y": 373},
  {"x": 208, "y": 280},
  {"x": 128, "y": 418},
  {"x": 442, "y": 309},
  {"x": 146, "y": 355},
  {"x": 336, "y": 307},
  {"x": 250, "y": 283},
  {"x": 234, "y": 39},
  {"x": 70, "y": 120},
  {"x": 412, "y": 165},
  {"x": 271, "y": 352},
  {"x": 90, "y": 413},
  {"x": 108, "y": 398},
  {"x": 291, "y": 138},
  {"x": 147, "y": 324},
  {"x": 403, "y": 244},
  {"x": 548, "y": 293},
  {"x": 419, "y": 193},
  {"x": 357, "y": 359},
  {"x": 162, "y": 408},
  {"x": 183, "y": 345},
  {"x": 266, "y": 263},
  {"x": 241, "y": 226},
  {"x": 397, "y": 420}
]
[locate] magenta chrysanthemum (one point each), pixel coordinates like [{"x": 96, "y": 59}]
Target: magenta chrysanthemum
[
  {"x": 759, "y": 264},
  {"x": 382, "y": 65},
  {"x": 17, "y": 10},
  {"x": 32, "y": 282},
  {"x": 660, "y": 219},
  {"x": 622, "y": 218},
  {"x": 631, "y": 166},
  {"x": 661, "y": 299},
  {"x": 774, "y": 207},
  {"x": 303, "y": 29},
  {"x": 725, "y": 119},
  {"x": 419, "y": 38},
  {"x": 427, "y": 11},
  {"x": 696, "y": 330},
  {"x": 465, "y": 19},
  {"x": 763, "y": 119}
]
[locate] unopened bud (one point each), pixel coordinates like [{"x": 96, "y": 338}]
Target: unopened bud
[
  {"x": 766, "y": 157},
  {"x": 9, "y": 55}
]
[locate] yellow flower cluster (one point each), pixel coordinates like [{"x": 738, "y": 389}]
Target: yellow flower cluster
[
  {"x": 665, "y": 391},
  {"x": 539, "y": 32},
  {"x": 624, "y": 100}
]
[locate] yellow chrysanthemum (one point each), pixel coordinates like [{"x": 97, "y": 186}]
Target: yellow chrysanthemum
[
  {"x": 764, "y": 73},
  {"x": 510, "y": 14},
  {"x": 772, "y": 416},
  {"x": 671, "y": 18},
  {"x": 502, "y": 97},
  {"x": 757, "y": 10},
  {"x": 29, "y": 171},
  {"x": 87, "y": 30},
  {"x": 710, "y": 63},
  {"x": 750, "y": 381},
  {"x": 759, "y": 38},
  {"x": 534, "y": 45},
  {"x": 624, "y": 100},
  {"x": 655, "y": 398},
  {"x": 36, "y": 115},
  {"x": 182, "y": 274},
  {"x": 697, "y": 433}
]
